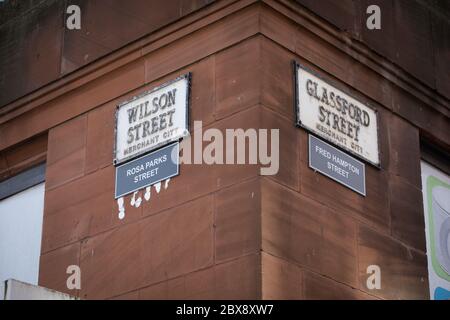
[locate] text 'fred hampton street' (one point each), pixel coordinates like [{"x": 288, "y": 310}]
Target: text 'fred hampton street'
[{"x": 342, "y": 163}]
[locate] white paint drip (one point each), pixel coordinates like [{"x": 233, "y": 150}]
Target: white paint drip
[
  {"x": 136, "y": 202},
  {"x": 133, "y": 199},
  {"x": 158, "y": 187},
  {"x": 120, "y": 203},
  {"x": 147, "y": 194},
  {"x": 166, "y": 184}
]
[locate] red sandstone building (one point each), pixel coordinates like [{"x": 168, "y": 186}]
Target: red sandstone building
[{"x": 223, "y": 231}]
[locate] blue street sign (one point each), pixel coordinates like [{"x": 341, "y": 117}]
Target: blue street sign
[{"x": 147, "y": 170}]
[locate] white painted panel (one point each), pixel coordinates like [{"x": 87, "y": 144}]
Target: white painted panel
[
  {"x": 17, "y": 290},
  {"x": 20, "y": 235}
]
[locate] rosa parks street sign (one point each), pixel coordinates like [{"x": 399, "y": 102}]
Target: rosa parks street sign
[
  {"x": 147, "y": 170},
  {"x": 336, "y": 116},
  {"x": 153, "y": 119},
  {"x": 337, "y": 165}
]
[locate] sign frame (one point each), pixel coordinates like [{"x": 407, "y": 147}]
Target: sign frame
[
  {"x": 331, "y": 177},
  {"x": 298, "y": 123},
  {"x": 174, "y": 144},
  {"x": 188, "y": 77}
]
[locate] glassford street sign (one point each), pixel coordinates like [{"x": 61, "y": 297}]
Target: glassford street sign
[
  {"x": 337, "y": 165},
  {"x": 152, "y": 119},
  {"x": 147, "y": 170},
  {"x": 337, "y": 117}
]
